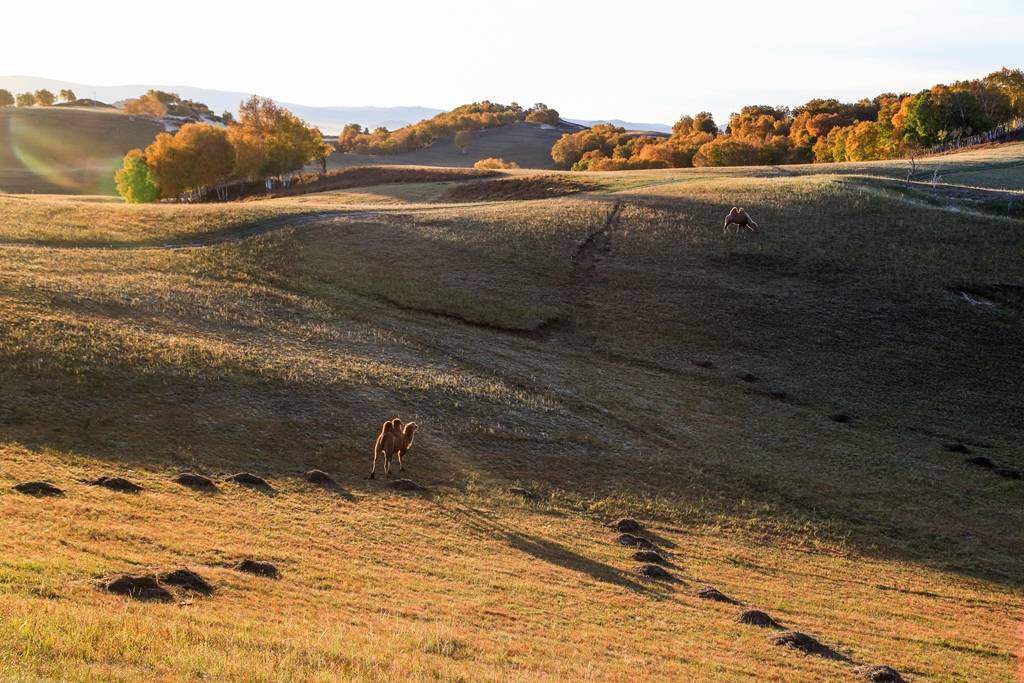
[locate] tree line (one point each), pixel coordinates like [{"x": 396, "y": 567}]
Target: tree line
[
  {"x": 266, "y": 141},
  {"x": 158, "y": 104},
  {"x": 42, "y": 98},
  {"x": 822, "y": 130},
  {"x": 460, "y": 121}
]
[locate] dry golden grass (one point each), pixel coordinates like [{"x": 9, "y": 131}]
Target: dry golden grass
[{"x": 530, "y": 360}]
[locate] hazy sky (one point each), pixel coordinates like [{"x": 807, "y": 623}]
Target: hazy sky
[{"x": 640, "y": 60}]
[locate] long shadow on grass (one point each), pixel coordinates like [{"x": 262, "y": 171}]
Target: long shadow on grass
[{"x": 550, "y": 551}]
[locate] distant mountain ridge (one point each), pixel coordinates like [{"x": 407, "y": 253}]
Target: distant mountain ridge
[
  {"x": 628, "y": 125},
  {"x": 330, "y": 120}
]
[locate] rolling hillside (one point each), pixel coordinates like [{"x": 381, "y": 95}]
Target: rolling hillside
[
  {"x": 821, "y": 420},
  {"x": 528, "y": 144},
  {"x": 67, "y": 150}
]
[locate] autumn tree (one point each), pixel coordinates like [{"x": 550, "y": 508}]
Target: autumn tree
[
  {"x": 6, "y": 98},
  {"x": 198, "y": 157},
  {"x": 463, "y": 139},
  {"x": 134, "y": 182},
  {"x": 726, "y": 151},
  {"x": 44, "y": 98},
  {"x": 270, "y": 141},
  {"x": 1011, "y": 82},
  {"x": 153, "y": 103},
  {"x": 542, "y": 113},
  {"x": 68, "y": 95},
  {"x": 323, "y": 151},
  {"x": 25, "y": 99}
]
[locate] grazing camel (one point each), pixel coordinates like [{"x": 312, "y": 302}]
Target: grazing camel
[
  {"x": 740, "y": 219},
  {"x": 394, "y": 440}
]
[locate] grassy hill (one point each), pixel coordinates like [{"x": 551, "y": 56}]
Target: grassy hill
[
  {"x": 528, "y": 144},
  {"x": 777, "y": 408},
  {"x": 67, "y": 149}
]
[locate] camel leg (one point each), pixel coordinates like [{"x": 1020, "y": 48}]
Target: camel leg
[
  {"x": 387, "y": 464},
  {"x": 373, "y": 472},
  {"x": 401, "y": 466}
]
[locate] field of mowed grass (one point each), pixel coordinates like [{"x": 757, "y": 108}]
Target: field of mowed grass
[{"x": 775, "y": 406}]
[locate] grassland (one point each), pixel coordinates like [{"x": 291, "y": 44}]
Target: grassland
[
  {"x": 70, "y": 150},
  {"x": 548, "y": 345},
  {"x": 528, "y": 144}
]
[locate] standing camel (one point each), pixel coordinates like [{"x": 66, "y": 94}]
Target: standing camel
[{"x": 394, "y": 440}]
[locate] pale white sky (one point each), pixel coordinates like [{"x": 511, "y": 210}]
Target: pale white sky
[{"x": 641, "y": 60}]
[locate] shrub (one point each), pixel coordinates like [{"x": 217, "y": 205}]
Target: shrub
[{"x": 494, "y": 163}]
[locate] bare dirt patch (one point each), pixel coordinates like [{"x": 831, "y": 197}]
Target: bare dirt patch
[
  {"x": 251, "y": 480},
  {"x": 805, "y": 643},
  {"x": 196, "y": 481},
  {"x": 530, "y": 187},
  {"x": 38, "y": 488},
  {"x": 139, "y": 587},
  {"x": 755, "y": 617},
  {"x": 627, "y": 525},
  {"x": 188, "y": 580},
  {"x": 711, "y": 593},
  {"x": 650, "y": 557},
  {"x": 631, "y": 540},
  {"x": 879, "y": 674},
  {"x": 319, "y": 477},
  {"x": 258, "y": 568},
  {"x": 116, "y": 484},
  {"x": 656, "y": 572}
]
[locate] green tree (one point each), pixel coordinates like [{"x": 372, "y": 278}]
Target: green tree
[
  {"x": 25, "y": 99},
  {"x": 6, "y": 98},
  {"x": 44, "y": 98},
  {"x": 68, "y": 95},
  {"x": 463, "y": 139},
  {"x": 133, "y": 180}
]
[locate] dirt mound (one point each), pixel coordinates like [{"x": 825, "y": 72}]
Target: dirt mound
[
  {"x": 711, "y": 593},
  {"x": 957, "y": 448},
  {"x": 702, "y": 363},
  {"x": 195, "y": 481},
  {"x": 319, "y": 477},
  {"x": 649, "y": 556},
  {"x": 636, "y": 542},
  {"x": 980, "y": 461},
  {"x": 524, "y": 493},
  {"x": 779, "y": 394},
  {"x": 38, "y": 488},
  {"x": 1009, "y": 473},
  {"x": 249, "y": 479},
  {"x": 258, "y": 568},
  {"x": 138, "y": 587},
  {"x": 805, "y": 643},
  {"x": 407, "y": 485},
  {"x": 841, "y": 418},
  {"x": 627, "y": 525},
  {"x": 879, "y": 674},
  {"x": 653, "y": 571},
  {"x": 530, "y": 187},
  {"x": 186, "y": 579},
  {"x": 755, "y": 617},
  {"x": 116, "y": 484},
  {"x": 747, "y": 376}
]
